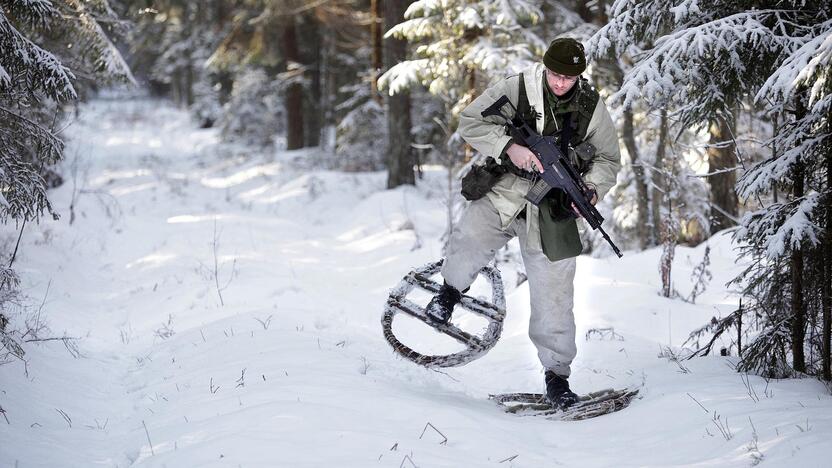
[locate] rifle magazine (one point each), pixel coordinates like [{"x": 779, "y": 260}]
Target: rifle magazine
[{"x": 538, "y": 191}]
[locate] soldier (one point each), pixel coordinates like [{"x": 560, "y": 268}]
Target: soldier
[{"x": 556, "y": 100}]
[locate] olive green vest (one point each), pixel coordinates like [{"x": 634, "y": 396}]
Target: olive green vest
[{"x": 559, "y": 235}]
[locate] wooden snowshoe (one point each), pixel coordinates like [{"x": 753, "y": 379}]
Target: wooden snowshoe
[
  {"x": 477, "y": 346},
  {"x": 589, "y": 406}
]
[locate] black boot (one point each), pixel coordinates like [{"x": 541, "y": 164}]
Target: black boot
[
  {"x": 440, "y": 308},
  {"x": 558, "y": 392}
]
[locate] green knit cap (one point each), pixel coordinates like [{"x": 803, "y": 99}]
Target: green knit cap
[{"x": 565, "y": 56}]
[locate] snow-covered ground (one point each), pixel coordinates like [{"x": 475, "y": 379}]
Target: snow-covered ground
[{"x": 227, "y": 310}]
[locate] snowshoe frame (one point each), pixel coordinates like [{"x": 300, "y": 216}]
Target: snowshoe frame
[{"x": 494, "y": 312}]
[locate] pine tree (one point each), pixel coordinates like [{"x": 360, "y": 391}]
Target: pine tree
[
  {"x": 658, "y": 147},
  {"x": 791, "y": 237},
  {"x": 400, "y": 152},
  {"x": 34, "y": 78},
  {"x": 301, "y": 47},
  {"x": 460, "y": 40},
  {"x": 699, "y": 61},
  {"x": 171, "y": 44},
  {"x": 703, "y": 61},
  {"x": 46, "y": 49}
]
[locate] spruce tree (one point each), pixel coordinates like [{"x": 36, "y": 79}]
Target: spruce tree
[
  {"x": 462, "y": 45},
  {"x": 46, "y": 49},
  {"x": 788, "y": 238},
  {"x": 702, "y": 61}
]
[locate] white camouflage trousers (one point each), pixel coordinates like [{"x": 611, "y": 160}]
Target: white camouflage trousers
[{"x": 473, "y": 244}]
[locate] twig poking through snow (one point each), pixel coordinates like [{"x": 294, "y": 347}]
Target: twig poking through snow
[
  {"x": 749, "y": 388},
  {"x": 511, "y": 458},
  {"x": 756, "y": 455},
  {"x": 125, "y": 334},
  {"x": 147, "y": 433},
  {"x": 65, "y": 416},
  {"x": 722, "y": 426},
  {"x": 668, "y": 353},
  {"x": 807, "y": 426},
  {"x": 700, "y": 404},
  {"x": 36, "y": 328},
  {"x": 216, "y": 271},
  {"x": 68, "y": 341},
  {"x": 445, "y": 374},
  {"x": 166, "y": 330},
  {"x": 444, "y": 439},
  {"x": 265, "y": 323}
]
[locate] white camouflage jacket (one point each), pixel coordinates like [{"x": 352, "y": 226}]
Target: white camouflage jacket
[{"x": 488, "y": 136}]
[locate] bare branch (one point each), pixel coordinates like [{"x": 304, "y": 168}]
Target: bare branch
[
  {"x": 444, "y": 439},
  {"x": 147, "y": 433}
]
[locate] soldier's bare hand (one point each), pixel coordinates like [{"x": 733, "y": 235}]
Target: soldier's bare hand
[{"x": 523, "y": 158}]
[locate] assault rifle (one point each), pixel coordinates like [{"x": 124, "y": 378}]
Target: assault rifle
[{"x": 558, "y": 170}]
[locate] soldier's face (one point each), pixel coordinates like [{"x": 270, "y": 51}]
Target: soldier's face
[{"x": 560, "y": 84}]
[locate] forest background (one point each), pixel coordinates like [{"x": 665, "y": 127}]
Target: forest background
[{"x": 723, "y": 110}]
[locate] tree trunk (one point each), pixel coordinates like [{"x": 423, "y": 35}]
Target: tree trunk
[
  {"x": 189, "y": 82},
  {"x": 669, "y": 226},
  {"x": 798, "y": 324},
  {"x": 310, "y": 31},
  {"x": 545, "y": 29},
  {"x": 592, "y": 11},
  {"x": 721, "y": 156},
  {"x": 826, "y": 292},
  {"x": 329, "y": 88},
  {"x": 400, "y": 153},
  {"x": 225, "y": 78},
  {"x": 375, "y": 38},
  {"x": 668, "y": 249},
  {"x": 472, "y": 86},
  {"x": 222, "y": 13},
  {"x": 176, "y": 87},
  {"x": 643, "y": 222},
  {"x": 226, "y": 81},
  {"x": 294, "y": 93},
  {"x": 659, "y": 178}
]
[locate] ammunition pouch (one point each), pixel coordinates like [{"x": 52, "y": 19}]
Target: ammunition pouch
[{"x": 481, "y": 178}]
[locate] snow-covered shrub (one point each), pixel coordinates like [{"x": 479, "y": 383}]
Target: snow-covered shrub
[
  {"x": 427, "y": 133},
  {"x": 254, "y": 115},
  {"x": 41, "y": 43},
  {"x": 361, "y": 134},
  {"x": 206, "y": 108}
]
